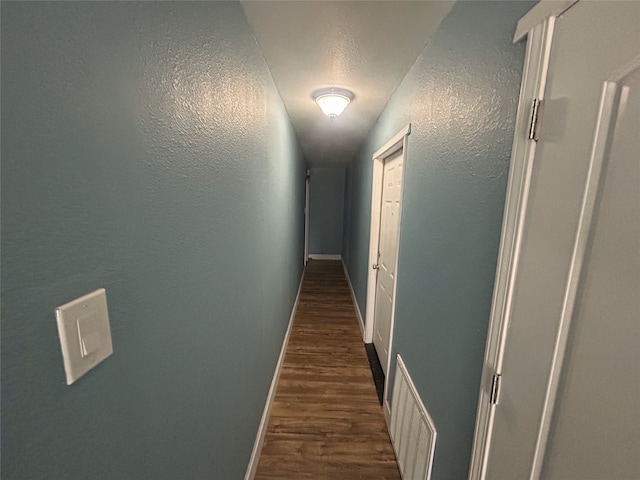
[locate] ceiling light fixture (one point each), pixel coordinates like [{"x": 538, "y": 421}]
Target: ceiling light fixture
[{"x": 333, "y": 101}]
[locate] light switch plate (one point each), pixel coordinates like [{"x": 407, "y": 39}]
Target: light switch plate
[{"x": 85, "y": 335}]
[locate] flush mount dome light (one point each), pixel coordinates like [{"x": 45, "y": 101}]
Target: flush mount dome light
[{"x": 333, "y": 101}]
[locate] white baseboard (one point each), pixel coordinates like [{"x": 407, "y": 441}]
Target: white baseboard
[
  {"x": 322, "y": 256},
  {"x": 355, "y": 301},
  {"x": 262, "y": 429}
]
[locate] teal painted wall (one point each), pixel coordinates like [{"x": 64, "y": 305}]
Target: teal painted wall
[
  {"x": 145, "y": 150},
  {"x": 460, "y": 97},
  {"x": 326, "y": 207}
]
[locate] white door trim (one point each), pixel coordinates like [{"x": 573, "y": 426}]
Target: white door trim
[
  {"x": 538, "y": 14},
  {"x": 533, "y": 85},
  {"x": 398, "y": 142}
]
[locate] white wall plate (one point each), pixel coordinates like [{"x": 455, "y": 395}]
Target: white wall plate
[{"x": 85, "y": 334}]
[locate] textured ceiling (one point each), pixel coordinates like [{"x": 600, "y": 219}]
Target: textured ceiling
[{"x": 364, "y": 46}]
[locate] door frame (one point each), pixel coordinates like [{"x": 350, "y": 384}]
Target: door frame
[
  {"x": 398, "y": 142},
  {"x": 306, "y": 217},
  {"x": 537, "y": 26}
]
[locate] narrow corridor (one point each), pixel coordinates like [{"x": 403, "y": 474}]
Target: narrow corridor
[{"x": 326, "y": 421}]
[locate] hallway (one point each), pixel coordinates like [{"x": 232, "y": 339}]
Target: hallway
[
  {"x": 151, "y": 149},
  {"x": 326, "y": 421}
]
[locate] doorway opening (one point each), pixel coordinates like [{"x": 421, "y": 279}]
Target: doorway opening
[{"x": 386, "y": 209}]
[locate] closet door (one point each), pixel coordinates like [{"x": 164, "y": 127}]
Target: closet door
[{"x": 567, "y": 406}]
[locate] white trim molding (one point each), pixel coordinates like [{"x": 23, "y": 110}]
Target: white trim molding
[
  {"x": 539, "y": 13},
  {"x": 323, "y": 256},
  {"x": 355, "y": 300},
  {"x": 393, "y": 144},
  {"x": 252, "y": 467}
]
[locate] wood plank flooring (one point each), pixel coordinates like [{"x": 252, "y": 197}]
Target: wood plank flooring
[{"x": 326, "y": 421}]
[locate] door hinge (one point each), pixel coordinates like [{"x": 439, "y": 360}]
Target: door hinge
[
  {"x": 495, "y": 389},
  {"x": 534, "y": 123}
]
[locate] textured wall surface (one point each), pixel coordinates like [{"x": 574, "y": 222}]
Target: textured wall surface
[
  {"x": 460, "y": 97},
  {"x": 326, "y": 208},
  {"x": 145, "y": 150}
]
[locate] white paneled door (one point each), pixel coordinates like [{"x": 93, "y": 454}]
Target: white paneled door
[{"x": 387, "y": 255}]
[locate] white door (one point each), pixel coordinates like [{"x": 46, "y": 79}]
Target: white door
[
  {"x": 387, "y": 255},
  {"x": 599, "y": 401},
  {"x": 570, "y": 368}
]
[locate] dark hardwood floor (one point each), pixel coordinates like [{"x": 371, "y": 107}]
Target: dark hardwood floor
[{"x": 326, "y": 421}]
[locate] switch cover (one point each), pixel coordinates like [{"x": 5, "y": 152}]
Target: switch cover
[{"x": 85, "y": 335}]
